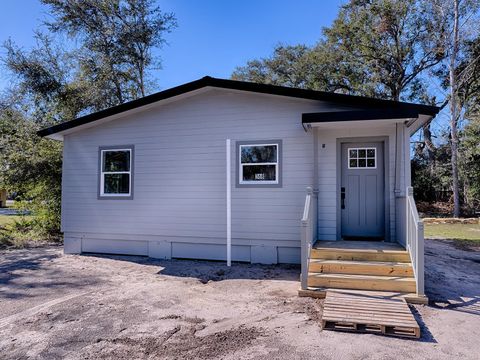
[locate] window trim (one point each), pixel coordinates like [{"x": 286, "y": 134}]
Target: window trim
[
  {"x": 366, "y": 158},
  {"x": 259, "y": 183},
  {"x": 100, "y": 188}
]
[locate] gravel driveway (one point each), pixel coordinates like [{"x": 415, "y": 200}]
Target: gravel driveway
[{"x": 56, "y": 306}]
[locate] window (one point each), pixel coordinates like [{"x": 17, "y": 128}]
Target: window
[
  {"x": 116, "y": 172},
  {"x": 362, "y": 158},
  {"x": 259, "y": 163}
]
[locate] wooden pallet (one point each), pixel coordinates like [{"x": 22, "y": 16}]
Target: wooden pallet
[{"x": 363, "y": 312}]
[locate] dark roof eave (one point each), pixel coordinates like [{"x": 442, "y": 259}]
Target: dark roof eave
[
  {"x": 359, "y": 115},
  {"x": 207, "y": 81}
]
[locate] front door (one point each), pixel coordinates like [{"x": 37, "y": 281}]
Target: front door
[{"x": 362, "y": 197}]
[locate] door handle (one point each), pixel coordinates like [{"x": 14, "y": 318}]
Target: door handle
[{"x": 342, "y": 197}]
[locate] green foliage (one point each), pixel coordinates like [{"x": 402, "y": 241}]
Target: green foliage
[
  {"x": 397, "y": 50},
  {"x": 108, "y": 60},
  {"x": 31, "y": 167},
  {"x": 117, "y": 38},
  {"x": 374, "y": 48},
  {"x": 470, "y": 163}
]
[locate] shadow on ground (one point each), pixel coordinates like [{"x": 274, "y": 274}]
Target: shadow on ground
[
  {"x": 452, "y": 277},
  {"x": 206, "y": 271},
  {"x": 29, "y": 272}
]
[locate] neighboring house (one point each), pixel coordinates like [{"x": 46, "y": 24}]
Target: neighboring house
[{"x": 149, "y": 177}]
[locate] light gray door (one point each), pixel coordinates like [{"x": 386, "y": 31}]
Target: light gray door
[{"x": 362, "y": 196}]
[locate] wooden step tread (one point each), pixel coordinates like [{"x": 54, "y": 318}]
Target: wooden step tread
[
  {"x": 387, "y": 263},
  {"x": 362, "y": 282},
  {"x": 368, "y": 251},
  {"x": 362, "y": 277},
  {"x": 360, "y": 255},
  {"x": 392, "y": 268}
]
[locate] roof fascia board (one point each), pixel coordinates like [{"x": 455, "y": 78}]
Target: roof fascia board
[{"x": 345, "y": 100}]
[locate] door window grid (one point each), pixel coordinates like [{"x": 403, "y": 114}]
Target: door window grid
[{"x": 362, "y": 158}]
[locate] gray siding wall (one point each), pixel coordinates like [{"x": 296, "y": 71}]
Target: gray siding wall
[{"x": 179, "y": 196}]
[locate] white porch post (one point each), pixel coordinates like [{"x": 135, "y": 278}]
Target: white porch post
[{"x": 229, "y": 203}]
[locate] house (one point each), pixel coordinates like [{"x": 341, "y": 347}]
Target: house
[{"x": 311, "y": 177}]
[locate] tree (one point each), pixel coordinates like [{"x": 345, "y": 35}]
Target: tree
[
  {"x": 469, "y": 165},
  {"x": 117, "y": 38},
  {"x": 374, "y": 48},
  {"x": 54, "y": 82},
  {"x": 397, "y": 50},
  {"x": 459, "y": 27},
  {"x": 45, "y": 81}
]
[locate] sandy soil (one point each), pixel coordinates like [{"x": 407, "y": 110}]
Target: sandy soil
[{"x": 55, "y": 306}]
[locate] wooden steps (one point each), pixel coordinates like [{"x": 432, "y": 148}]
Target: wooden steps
[
  {"x": 360, "y": 255},
  {"x": 362, "y": 282},
  {"x": 364, "y": 312},
  {"x": 361, "y": 265}
]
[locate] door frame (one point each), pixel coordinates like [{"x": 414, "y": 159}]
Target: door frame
[{"x": 386, "y": 170}]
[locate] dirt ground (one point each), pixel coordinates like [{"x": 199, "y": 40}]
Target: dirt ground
[{"x": 55, "y": 306}]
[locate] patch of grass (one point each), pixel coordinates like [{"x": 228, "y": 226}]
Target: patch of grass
[
  {"x": 453, "y": 231},
  {"x": 11, "y": 219},
  {"x": 17, "y": 231},
  {"x": 462, "y": 236}
]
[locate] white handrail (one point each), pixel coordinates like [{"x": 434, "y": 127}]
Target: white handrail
[
  {"x": 415, "y": 241},
  {"x": 308, "y": 232}
]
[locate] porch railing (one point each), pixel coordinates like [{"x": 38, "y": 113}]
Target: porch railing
[
  {"x": 308, "y": 232},
  {"x": 415, "y": 241}
]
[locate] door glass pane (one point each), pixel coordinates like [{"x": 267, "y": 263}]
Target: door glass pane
[
  {"x": 353, "y": 153},
  {"x": 116, "y": 160},
  {"x": 371, "y": 163},
  {"x": 371, "y": 153},
  {"x": 353, "y": 163},
  {"x": 259, "y": 154},
  {"x": 362, "y": 163},
  {"x": 362, "y": 153},
  {"x": 259, "y": 173},
  {"x": 116, "y": 184}
]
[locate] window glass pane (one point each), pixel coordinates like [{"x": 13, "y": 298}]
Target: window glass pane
[
  {"x": 259, "y": 154},
  {"x": 371, "y": 153},
  {"x": 362, "y": 153},
  {"x": 353, "y": 153},
  {"x": 362, "y": 163},
  {"x": 116, "y": 160},
  {"x": 116, "y": 184},
  {"x": 371, "y": 163},
  {"x": 353, "y": 163},
  {"x": 259, "y": 173}
]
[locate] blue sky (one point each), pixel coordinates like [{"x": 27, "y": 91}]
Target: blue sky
[{"x": 213, "y": 36}]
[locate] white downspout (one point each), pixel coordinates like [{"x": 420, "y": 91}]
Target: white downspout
[{"x": 229, "y": 203}]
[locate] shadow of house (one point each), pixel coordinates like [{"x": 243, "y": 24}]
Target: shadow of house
[
  {"x": 208, "y": 270},
  {"x": 27, "y": 273},
  {"x": 452, "y": 277}
]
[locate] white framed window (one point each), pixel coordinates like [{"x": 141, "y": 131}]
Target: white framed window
[
  {"x": 116, "y": 166},
  {"x": 259, "y": 163},
  {"x": 362, "y": 158}
]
